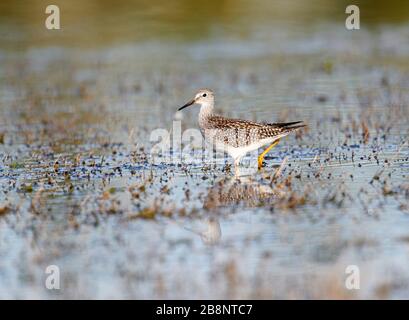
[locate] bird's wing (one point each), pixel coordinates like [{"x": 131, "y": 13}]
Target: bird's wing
[
  {"x": 218, "y": 122},
  {"x": 269, "y": 129},
  {"x": 237, "y": 132}
]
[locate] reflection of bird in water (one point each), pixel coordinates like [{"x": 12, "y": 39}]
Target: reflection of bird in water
[
  {"x": 228, "y": 191},
  {"x": 212, "y": 232}
]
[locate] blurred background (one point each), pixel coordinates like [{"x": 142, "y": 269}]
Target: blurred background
[{"x": 106, "y": 23}]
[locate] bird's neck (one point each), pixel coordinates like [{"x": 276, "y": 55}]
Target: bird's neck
[{"x": 206, "y": 110}]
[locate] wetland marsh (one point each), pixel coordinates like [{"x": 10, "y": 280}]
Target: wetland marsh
[{"x": 79, "y": 188}]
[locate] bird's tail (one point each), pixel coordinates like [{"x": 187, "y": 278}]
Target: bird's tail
[
  {"x": 288, "y": 127},
  {"x": 285, "y": 124}
]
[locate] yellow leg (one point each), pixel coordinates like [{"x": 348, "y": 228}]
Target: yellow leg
[{"x": 261, "y": 156}]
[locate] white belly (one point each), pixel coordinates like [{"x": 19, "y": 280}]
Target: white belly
[{"x": 237, "y": 153}]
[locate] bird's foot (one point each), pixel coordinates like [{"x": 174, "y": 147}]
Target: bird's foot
[
  {"x": 261, "y": 157},
  {"x": 260, "y": 162}
]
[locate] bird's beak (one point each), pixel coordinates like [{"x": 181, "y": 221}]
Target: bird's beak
[{"x": 187, "y": 104}]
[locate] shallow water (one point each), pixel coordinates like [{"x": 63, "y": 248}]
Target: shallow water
[{"x": 80, "y": 188}]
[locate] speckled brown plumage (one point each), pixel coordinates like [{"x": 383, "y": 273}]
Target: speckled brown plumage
[{"x": 239, "y": 133}]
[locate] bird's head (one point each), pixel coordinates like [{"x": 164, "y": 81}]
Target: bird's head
[{"x": 203, "y": 97}]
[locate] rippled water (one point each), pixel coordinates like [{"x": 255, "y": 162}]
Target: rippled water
[{"x": 80, "y": 189}]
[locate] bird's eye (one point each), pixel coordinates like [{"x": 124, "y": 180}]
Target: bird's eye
[{"x": 204, "y": 95}]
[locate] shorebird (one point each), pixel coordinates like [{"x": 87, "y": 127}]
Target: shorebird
[{"x": 235, "y": 136}]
